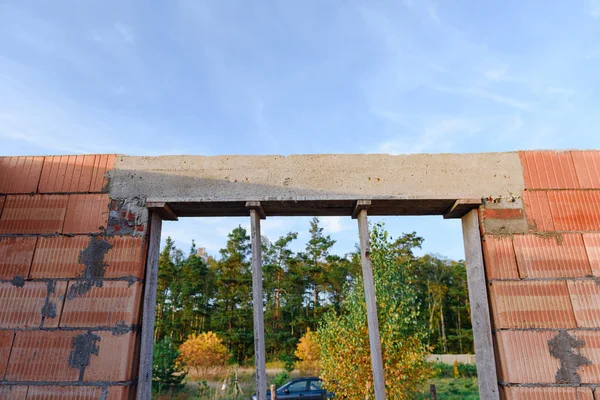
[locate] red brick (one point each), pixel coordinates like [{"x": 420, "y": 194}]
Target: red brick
[
  {"x": 115, "y": 359},
  {"x": 58, "y": 257},
  {"x": 33, "y": 214},
  {"x": 115, "y": 302},
  {"x": 64, "y": 393},
  {"x": 591, "y": 350},
  {"x": 42, "y": 356},
  {"x": 585, "y": 296},
  {"x": 102, "y": 164},
  {"x": 502, "y": 213},
  {"x": 67, "y": 174},
  {"x": 6, "y": 339},
  {"x": 537, "y": 210},
  {"x": 587, "y": 168},
  {"x": 121, "y": 393},
  {"x": 13, "y": 392},
  {"x": 548, "y": 393},
  {"x": 562, "y": 256},
  {"x": 15, "y": 256},
  {"x": 499, "y": 256},
  {"x": 548, "y": 170},
  {"x": 575, "y": 210},
  {"x": 86, "y": 213},
  {"x": 592, "y": 246},
  {"x": 524, "y": 357},
  {"x": 20, "y": 174},
  {"x": 2, "y": 200},
  {"x": 22, "y": 306},
  {"x": 527, "y": 304}
]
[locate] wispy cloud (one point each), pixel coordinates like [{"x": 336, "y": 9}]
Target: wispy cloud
[
  {"x": 484, "y": 94},
  {"x": 335, "y": 224},
  {"x": 560, "y": 91},
  {"x": 594, "y": 8},
  {"x": 440, "y": 136},
  {"x": 498, "y": 73},
  {"x": 117, "y": 32}
]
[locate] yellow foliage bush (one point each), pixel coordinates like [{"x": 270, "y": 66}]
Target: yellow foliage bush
[
  {"x": 308, "y": 353},
  {"x": 204, "y": 353}
]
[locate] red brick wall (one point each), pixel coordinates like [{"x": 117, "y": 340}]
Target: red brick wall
[
  {"x": 71, "y": 281},
  {"x": 543, "y": 272}
]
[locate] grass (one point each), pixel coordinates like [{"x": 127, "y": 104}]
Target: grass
[
  {"x": 447, "y": 388},
  {"x": 453, "y": 389}
]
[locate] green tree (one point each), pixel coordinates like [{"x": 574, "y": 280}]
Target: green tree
[
  {"x": 343, "y": 336},
  {"x": 167, "y": 372},
  {"x": 232, "y": 317}
]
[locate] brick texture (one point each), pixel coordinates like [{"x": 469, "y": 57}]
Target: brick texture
[
  {"x": 13, "y": 392},
  {"x": 67, "y": 174},
  {"x": 58, "y": 257},
  {"x": 42, "y": 356},
  {"x": 33, "y": 214},
  {"x": 591, "y": 350},
  {"x": 6, "y": 339},
  {"x": 575, "y": 210},
  {"x": 102, "y": 164},
  {"x": 2, "y": 201},
  {"x": 537, "y": 210},
  {"x": 585, "y": 296},
  {"x": 20, "y": 174},
  {"x": 115, "y": 359},
  {"x": 551, "y": 257},
  {"x": 86, "y": 213},
  {"x": 64, "y": 393},
  {"x": 543, "y": 304},
  {"x": 23, "y": 307},
  {"x": 548, "y": 393},
  {"x": 587, "y": 167},
  {"x": 499, "y": 256},
  {"x": 16, "y": 255},
  {"x": 113, "y": 303},
  {"x": 548, "y": 170},
  {"x": 524, "y": 357},
  {"x": 592, "y": 247},
  {"x": 121, "y": 393}
]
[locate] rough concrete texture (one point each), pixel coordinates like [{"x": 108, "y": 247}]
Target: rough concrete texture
[
  {"x": 567, "y": 349},
  {"x": 317, "y": 177}
]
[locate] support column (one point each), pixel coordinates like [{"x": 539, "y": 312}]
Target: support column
[
  {"x": 480, "y": 313},
  {"x": 360, "y": 212},
  {"x": 256, "y": 214},
  {"x": 144, "y": 389}
]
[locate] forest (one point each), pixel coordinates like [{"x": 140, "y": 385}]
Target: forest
[{"x": 200, "y": 293}]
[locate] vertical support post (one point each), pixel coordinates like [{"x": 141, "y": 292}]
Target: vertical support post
[
  {"x": 480, "y": 313},
  {"x": 257, "y": 300},
  {"x": 144, "y": 389},
  {"x": 369, "y": 286}
]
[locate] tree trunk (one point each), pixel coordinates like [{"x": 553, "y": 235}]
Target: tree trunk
[{"x": 444, "y": 344}]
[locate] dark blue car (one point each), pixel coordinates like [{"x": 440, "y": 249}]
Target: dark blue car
[{"x": 301, "y": 389}]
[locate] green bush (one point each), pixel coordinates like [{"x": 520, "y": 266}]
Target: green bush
[
  {"x": 167, "y": 373},
  {"x": 281, "y": 378},
  {"x": 441, "y": 370},
  {"x": 289, "y": 362}
]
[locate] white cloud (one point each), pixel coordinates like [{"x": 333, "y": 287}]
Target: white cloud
[{"x": 335, "y": 224}]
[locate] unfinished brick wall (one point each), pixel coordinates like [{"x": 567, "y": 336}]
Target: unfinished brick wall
[
  {"x": 71, "y": 276},
  {"x": 72, "y": 268},
  {"x": 542, "y": 256}
]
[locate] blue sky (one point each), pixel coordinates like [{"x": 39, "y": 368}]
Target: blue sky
[{"x": 289, "y": 77}]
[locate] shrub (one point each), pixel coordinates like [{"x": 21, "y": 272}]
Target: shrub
[
  {"x": 308, "y": 353},
  {"x": 167, "y": 371},
  {"x": 281, "y": 378},
  {"x": 205, "y": 353}
]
